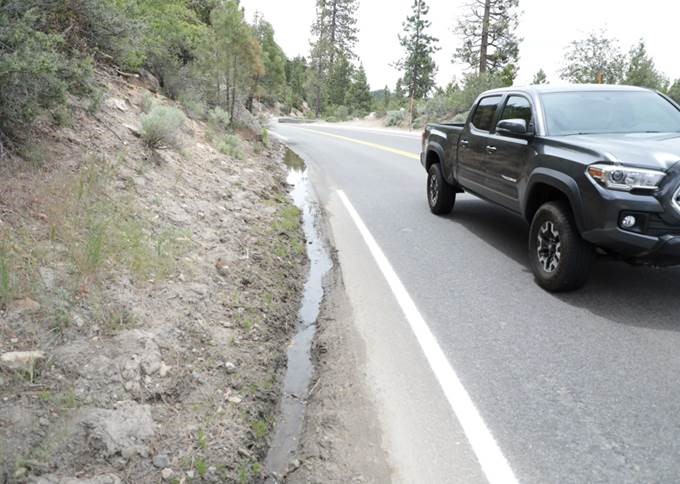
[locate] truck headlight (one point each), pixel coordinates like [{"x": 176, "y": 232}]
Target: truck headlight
[{"x": 624, "y": 178}]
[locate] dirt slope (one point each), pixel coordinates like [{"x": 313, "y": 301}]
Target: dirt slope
[{"x": 160, "y": 286}]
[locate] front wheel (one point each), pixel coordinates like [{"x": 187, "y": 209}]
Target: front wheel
[
  {"x": 560, "y": 259},
  {"x": 440, "y": 195}
]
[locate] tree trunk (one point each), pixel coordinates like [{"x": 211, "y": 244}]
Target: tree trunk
[
  {"x": 485, "y": 37},
  {"x": 334, "y": 27}
]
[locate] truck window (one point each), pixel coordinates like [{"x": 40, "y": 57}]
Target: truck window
[
  {"x": 484, "y": 113},
  {"x": 517, "y": 107}
]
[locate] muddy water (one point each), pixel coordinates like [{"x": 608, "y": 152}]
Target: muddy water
[{"x": 300, "y": 368}]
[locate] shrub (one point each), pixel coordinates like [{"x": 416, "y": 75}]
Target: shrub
[
  {"x": 219, "y": 118},
  {"x": 35, "y": 75},
  {"x": 342, "y": 113},
  {"x": 148, "y": 103},
  {"x": 161, "y": 126},
  {"x": 231, "y": 146},
  {"x": 395, "y": 118},
  {"x": 195, "y": 107}
]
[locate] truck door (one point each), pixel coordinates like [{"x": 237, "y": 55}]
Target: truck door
[
  {"x": 509, "y": 156},
  {"x": 474, "y": 151}
]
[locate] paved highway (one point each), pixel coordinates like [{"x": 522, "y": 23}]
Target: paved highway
[{"x": 583, "y": 387}]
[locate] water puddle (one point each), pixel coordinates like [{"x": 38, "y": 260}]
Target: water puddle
[{"x": 300, "y": 367}]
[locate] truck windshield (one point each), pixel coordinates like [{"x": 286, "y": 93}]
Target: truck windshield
[{"x": 600, "y": 112}]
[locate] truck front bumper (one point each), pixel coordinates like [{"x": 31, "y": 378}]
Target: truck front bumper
[{"x": 654, "y": 239}]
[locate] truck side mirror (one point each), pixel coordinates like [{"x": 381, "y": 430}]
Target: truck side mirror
[{"x": 513, "y": 127}]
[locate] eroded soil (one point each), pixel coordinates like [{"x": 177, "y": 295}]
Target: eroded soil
[{"x": 162, "y": 287}]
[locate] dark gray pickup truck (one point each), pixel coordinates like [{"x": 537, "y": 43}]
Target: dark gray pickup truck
[{"x": 593, "y": 169}]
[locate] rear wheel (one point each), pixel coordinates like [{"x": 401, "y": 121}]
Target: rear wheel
[
  {"x": 440, "y": 195},
  {"x": 560, "y": 259}
]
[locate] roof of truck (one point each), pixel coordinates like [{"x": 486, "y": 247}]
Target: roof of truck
[{"x": 548, "y": 88}]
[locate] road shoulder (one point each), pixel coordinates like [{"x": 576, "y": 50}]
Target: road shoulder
[{"x": 342, "y": 440}]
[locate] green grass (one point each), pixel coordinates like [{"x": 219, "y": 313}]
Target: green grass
[
  {"x": 202, "y": 439},
  {"x": 201, "y": 467},
  {"x": 260, "y": 428},
  {"x": 6, "y": 290}
]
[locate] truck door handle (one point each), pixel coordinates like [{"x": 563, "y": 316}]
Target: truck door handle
[
  {"x": 490, "y": 149},
  {"x": 464, "y": 142}
]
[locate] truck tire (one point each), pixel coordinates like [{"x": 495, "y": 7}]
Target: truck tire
[
  {"x": 440, "y": 195},
  {"x": 560, "y": 259}
]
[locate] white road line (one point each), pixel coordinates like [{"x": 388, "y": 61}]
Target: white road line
[
  {"x": 279, "y": 136},
  {"x": 491, "y": 459}
]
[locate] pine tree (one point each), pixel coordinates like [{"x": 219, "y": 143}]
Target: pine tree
[
  {"x": 296, "y": 73},
  {"x": 417, "y": 66},
  {"x": 359, "y": 97},
  {"x": 594, "y": 59},
  {"x": 339, "y": 81},
  {"x": 642, "y": 71},
  {"x": 387, "y": 97},
  {"x": 272, "y": 84},
  {"x": 540, "y": 77},
  {"x": 399, "y": 92},
  {"x": 490, "y": 43},
  {"x": 335, "y": 34},
  {"x": 237, "y": 55}
]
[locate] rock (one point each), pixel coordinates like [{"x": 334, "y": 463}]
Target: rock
[
  {"x": 150, "y": 81},
  {"x": 190, "y": 474},
  {"x": 48, "y": 277},
  {"x": 43, "y": 422},
  {"x": 55, "y": 479},
  {"x": 161, "y": 461},
  {"x": 130, "y": 425},
  {"x": 167, "y": 474},
  {"x": 26, "y": 305},
  {"x": 21, "y": 360},
  {"x": 230, "y": 367},
  {"x": 129, "y": 452},
  {"x": 117, "y": 103},
  {"x": 235, "y": 400},
  {"x": 20, "y": 473},
  {"x": 134, "y": 130},
  {"x": 163, "y": 370}
]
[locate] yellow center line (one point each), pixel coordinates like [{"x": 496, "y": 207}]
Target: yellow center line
[{"x": 407, "y": 154}]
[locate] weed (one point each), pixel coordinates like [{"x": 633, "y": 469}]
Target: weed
[
  {"x": 34, "y": 153},
  {"x": 202, "y": 439},
  {"x": 95, "y": 100},
  {"x": 5, "y": 276},
  {"x": 231, "y": 146},
  {"x": 201, "y": 467},
  {"x": 265, "y": 137},
  {"x": 62, "y": 116},
  {"x": 45, "y": 396},
  {"x": 260, "y": 428},
  {"x": 94, "y": 246},
  {"x": 247, "y": 324},
  {"x": 161, "y": 126},
  {"x": 288, "y": 220},
  {"x": 68, "y": 399}
]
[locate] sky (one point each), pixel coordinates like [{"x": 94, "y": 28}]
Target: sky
[{"x": 546, "y": 26}]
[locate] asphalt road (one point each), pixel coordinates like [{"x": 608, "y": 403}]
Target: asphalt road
[{"x": 583, "y": 387}]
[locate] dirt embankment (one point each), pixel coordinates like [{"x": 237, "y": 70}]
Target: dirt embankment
[{"x": 156, "y": 290}]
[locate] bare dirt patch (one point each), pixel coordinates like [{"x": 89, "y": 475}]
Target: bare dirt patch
[{"x": 161, "y": 286}]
